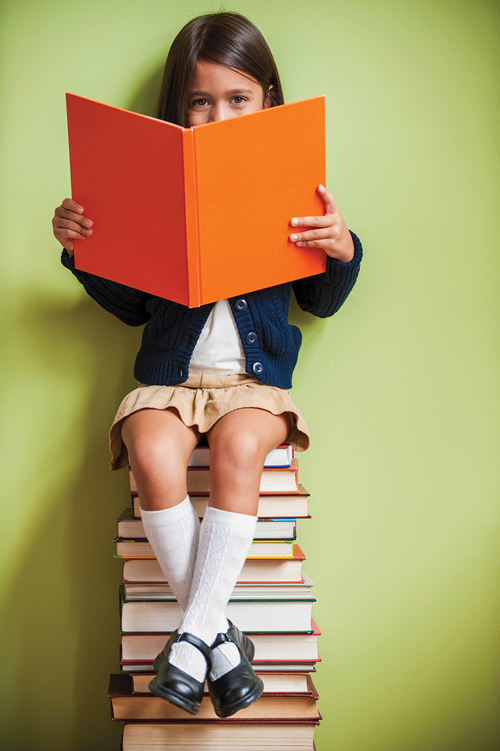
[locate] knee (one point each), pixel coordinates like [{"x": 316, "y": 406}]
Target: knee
[
  {"x": 241, "y": 450},
  {"x": 154, "y": 456}
]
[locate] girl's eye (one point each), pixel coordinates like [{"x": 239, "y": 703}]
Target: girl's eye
[
  {"x": 238, "y": 99},
  {"x": 199, "y": 103}
]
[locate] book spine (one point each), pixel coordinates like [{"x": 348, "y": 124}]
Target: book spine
[{"x": 191, "y": 211}]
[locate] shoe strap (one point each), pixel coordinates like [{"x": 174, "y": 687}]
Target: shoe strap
[
  {"x": 222, "y": 639},
  {"x": 199, "y": 644}
]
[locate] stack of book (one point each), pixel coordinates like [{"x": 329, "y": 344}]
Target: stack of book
[{"x": 271, "y": 602}]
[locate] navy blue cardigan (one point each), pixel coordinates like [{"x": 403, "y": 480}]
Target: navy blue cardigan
[{"x": 270, "y": 343}]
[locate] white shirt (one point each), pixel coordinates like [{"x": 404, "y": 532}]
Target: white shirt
[{"x": 218, "y": 350}]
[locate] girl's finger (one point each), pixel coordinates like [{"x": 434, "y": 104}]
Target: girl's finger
[
  {"x": 313, "y": 234},
  {"x": 71, "y": 205},
  {"x": 68, "y": 234},
  {"x": 311, "y": 221},
  {"x": 326, "y": 245},
  {"x": 62, "y": 224},
  {"x": 76, "y": 218},
  {"x": 330, "y": 203}
]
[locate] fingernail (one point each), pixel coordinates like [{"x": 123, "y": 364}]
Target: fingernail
[
  {"x": 299, "y": 244},
  {"x": 88, "y": 223},
  {"x": 293, "y": 238},
  {"x": 88, "y": 231},
  {"x": 295, "y": 221},
  {"x": 322, "y": 187}
]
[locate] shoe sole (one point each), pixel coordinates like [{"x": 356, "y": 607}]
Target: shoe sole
[
  {"x": 242, "y": 703},
  {"x": 173, "y": 698}
]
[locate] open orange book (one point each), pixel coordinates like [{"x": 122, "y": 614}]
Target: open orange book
[{"x": 201, "y": 214}]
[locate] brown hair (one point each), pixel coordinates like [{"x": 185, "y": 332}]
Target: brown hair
[{"x": 227, "y": 39}]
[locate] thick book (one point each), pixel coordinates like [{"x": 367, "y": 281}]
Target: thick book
[
  {"x": 132, "y": 527},
  {"x": 198, "y": 214},
  {"x": 273, "y": 480},
  {"x": 242, "y": 591},
  {"x": 276, "y": 682},
  {"x": 283, "y": 505},
  {"x": 144, "y": 668},
  {"x": 278, "y": 648},
  {"x": 251, "y": 615},
  {"x": 281, "y": 456},
  {"x": 129, "y": 704},
  {"x": 147, "y": 570},
  {"x": 287, "y": 735},
  {"x": 128, "y": 548}
]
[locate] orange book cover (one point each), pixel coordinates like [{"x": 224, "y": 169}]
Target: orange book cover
[{"x": 200, "y": 214}]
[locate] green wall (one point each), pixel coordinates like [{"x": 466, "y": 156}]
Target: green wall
[{"x": 400, "y": 389}]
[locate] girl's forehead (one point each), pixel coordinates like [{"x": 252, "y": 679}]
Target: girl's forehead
[{"x": 208, "y": 76}]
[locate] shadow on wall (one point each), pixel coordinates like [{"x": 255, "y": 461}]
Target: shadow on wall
[{"x": 61, "y": 612}]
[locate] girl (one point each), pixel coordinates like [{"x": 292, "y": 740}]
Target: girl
[{"x": 222, "y": 372}]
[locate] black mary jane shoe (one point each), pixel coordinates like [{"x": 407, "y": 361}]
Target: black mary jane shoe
[
  {"x": 240, "y": 687},
  {"x": 175, "y": 685}
]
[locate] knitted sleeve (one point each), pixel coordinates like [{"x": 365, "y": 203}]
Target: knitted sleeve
[
  {"x": 126, "y": 303},
  {"x": 323, "y": 294}
]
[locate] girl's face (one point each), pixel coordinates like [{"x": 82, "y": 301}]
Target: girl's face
[{"x": 218, "y": 93}]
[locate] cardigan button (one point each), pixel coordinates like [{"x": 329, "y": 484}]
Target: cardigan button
[
  {"x": 241, "y": 304},
  {"x": 257, "y": 368},
  {"x": 251, "y": 337}
]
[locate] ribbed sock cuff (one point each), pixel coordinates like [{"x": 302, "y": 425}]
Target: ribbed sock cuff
[
  {"x": 230, "y": 518},
  {"x": 167, "y": 516}
]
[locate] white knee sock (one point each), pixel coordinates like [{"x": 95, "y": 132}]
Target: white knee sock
[
  {"x": 174, "y": 534},
  {"x": 225, "y": 538}
]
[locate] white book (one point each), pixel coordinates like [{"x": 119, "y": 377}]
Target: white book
[
  {"x": 276, "y": 647},
  {"x": 253, "y": 615}
]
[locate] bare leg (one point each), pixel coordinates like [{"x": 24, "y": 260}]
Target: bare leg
[
  {"x": 159, "y": 446},
  {"x": 239, "y": 443}
]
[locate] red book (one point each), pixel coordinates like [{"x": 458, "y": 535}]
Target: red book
[{"x": 198, "y": 214}]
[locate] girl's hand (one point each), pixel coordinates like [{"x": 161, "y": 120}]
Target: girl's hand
[
  {"x": 69, "y": 224},
  {"x": 331, "y": 234}
]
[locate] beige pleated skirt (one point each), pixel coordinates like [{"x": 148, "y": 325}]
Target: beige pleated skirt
[{"x": 204, "y": 399}]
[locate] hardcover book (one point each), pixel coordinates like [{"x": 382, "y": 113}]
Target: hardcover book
[
  {"x": 270, "y": 529},
  {"x": 153, "y": 616},
  {"x": 130, "y": 704},
  {"x": 200, "y": 214},
  {"x": 147, "y": 570},
  {"x": 288, "y": 735},
  {"x": 277, "y": 647},
  {"x": 273, "y": 480},
  {"x": 271, "y": 506},
  {"x": 129, "y": 548}
]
